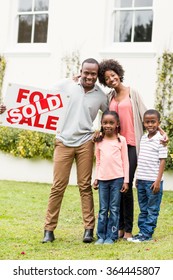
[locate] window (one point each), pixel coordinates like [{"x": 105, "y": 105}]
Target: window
[
  {"x": 33, "y": 21},
  {"x": 133, "y": 20}
]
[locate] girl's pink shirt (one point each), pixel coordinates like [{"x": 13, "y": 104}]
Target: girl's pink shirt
[
  {"x": 112, "y": 159},
  {"x": 124, "y": 110}
]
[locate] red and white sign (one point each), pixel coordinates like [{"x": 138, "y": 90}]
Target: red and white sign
[{"x": 34, "y": 109}]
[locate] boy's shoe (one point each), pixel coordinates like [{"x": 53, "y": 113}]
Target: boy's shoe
[
  {"x": 99, "y": 241},
  {"x": 134, "y": 237},
  {"x": 108, "y": 241},
  {"x": 141, "y": 238}
]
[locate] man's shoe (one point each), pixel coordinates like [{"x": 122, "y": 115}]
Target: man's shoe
[
  {"x": 48, "y": 236},
  {"x": 88, "y": 236}
]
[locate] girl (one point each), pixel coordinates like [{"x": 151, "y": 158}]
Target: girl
[{"x": 112, "y": 176}]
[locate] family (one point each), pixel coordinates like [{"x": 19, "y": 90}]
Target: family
[{"x": 120, "y": 148}]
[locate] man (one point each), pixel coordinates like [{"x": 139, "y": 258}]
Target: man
[{"x": 74, "y": 141}]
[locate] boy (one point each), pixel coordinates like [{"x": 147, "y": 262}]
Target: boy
[{"x": 149, "y": 183}]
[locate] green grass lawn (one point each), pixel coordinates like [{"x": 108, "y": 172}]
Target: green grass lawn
[{"x": 22, "y": 212}]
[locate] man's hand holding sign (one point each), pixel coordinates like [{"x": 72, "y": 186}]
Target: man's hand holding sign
[{"x": 33, "y": 109}]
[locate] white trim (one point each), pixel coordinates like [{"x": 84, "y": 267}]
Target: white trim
[
  {"x": 129, "y": 49},
  {"x": 23, "y": 49},
  {"x": 106, "y": 53},
  {"x": 15, "y": 48},
  {"x": 32, "y": 53},
  {"x": 33, "y": 13},
  {"x": 142, "y": 8},
  {"x": 140, "y": 49}
]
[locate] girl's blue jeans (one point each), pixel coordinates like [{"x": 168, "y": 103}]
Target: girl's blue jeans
[{"x": 109, "y": 208}]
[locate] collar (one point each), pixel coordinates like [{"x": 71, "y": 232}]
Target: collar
[
  {"x": 95, "y": 88},
  {"x": 155, "y": 137}
]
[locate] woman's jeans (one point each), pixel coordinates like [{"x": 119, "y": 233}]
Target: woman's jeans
[
  {"x": 109, "y": 208},
  {"x": 149, "y": 204}
]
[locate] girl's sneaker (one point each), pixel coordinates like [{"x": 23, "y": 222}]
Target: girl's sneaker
[
  {"x": 99, "y": 241},
  {"x": 108, "y": 241}
]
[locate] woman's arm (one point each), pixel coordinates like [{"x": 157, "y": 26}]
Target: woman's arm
[{"x": 165, "y": 136}]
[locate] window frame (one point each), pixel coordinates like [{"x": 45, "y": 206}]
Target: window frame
[
  {"x": 22, "y": 49},
  {"x": 131, "y": 9},
  {"x": 124, "y": 49},
  {"x": 32, "y": 13}
]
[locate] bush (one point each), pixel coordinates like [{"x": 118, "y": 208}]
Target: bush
[
  {"x": 26, "y": 143},
  {"x": 164, "y": 99},
  {"x": 169, "y": 161}
]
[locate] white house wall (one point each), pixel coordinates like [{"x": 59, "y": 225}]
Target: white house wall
[
  {"x": 85, "y": 26},
  {"x": 73, "y": 25},
  {"x": 82, "y": 25}
]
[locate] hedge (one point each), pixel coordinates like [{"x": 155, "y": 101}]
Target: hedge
[{"x": 26, "y": 144}]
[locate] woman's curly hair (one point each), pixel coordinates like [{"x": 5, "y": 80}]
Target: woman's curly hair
[{"x": 107, "y": 65}]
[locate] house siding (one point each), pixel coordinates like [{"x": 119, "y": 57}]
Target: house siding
[{"x": 82, "y": 25}]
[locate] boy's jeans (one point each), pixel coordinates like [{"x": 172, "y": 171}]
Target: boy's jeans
[
  {"x": 109, "y": 210},
  {"x": 149, "y": 204}
]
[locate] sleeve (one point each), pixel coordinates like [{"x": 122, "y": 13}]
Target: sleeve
[
  {"x": 104, "y": 105},
  {"x": 61, "y": 84},
  {"x": 97, "y": 121},
  {"x": 125, "y": 159},
  {"x": 97, "y": 155},
  {"x": 140, "y": 105},
  {"x": 163, "y": 151},
  {"x": 139, "y": 109}
]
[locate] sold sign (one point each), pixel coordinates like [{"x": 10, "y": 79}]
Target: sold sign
[
  {"x": 36, "y": 108},
  {"x": 41, "y": 110}
]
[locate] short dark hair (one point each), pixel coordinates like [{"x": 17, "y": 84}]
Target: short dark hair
[
  {"x": 110, "y": 64},
  {"x": 90, "y": 60},
  {"x": 152, "y": 112}
]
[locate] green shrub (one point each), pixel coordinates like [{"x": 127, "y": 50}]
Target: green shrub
[
  {"x": 2, "y": 73},
  {"x": 169, "y": 161},
  {"x": 26, "y": 143},
  {"x": 164, "y": 99},
  {"x": 20, "y": 142}
]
